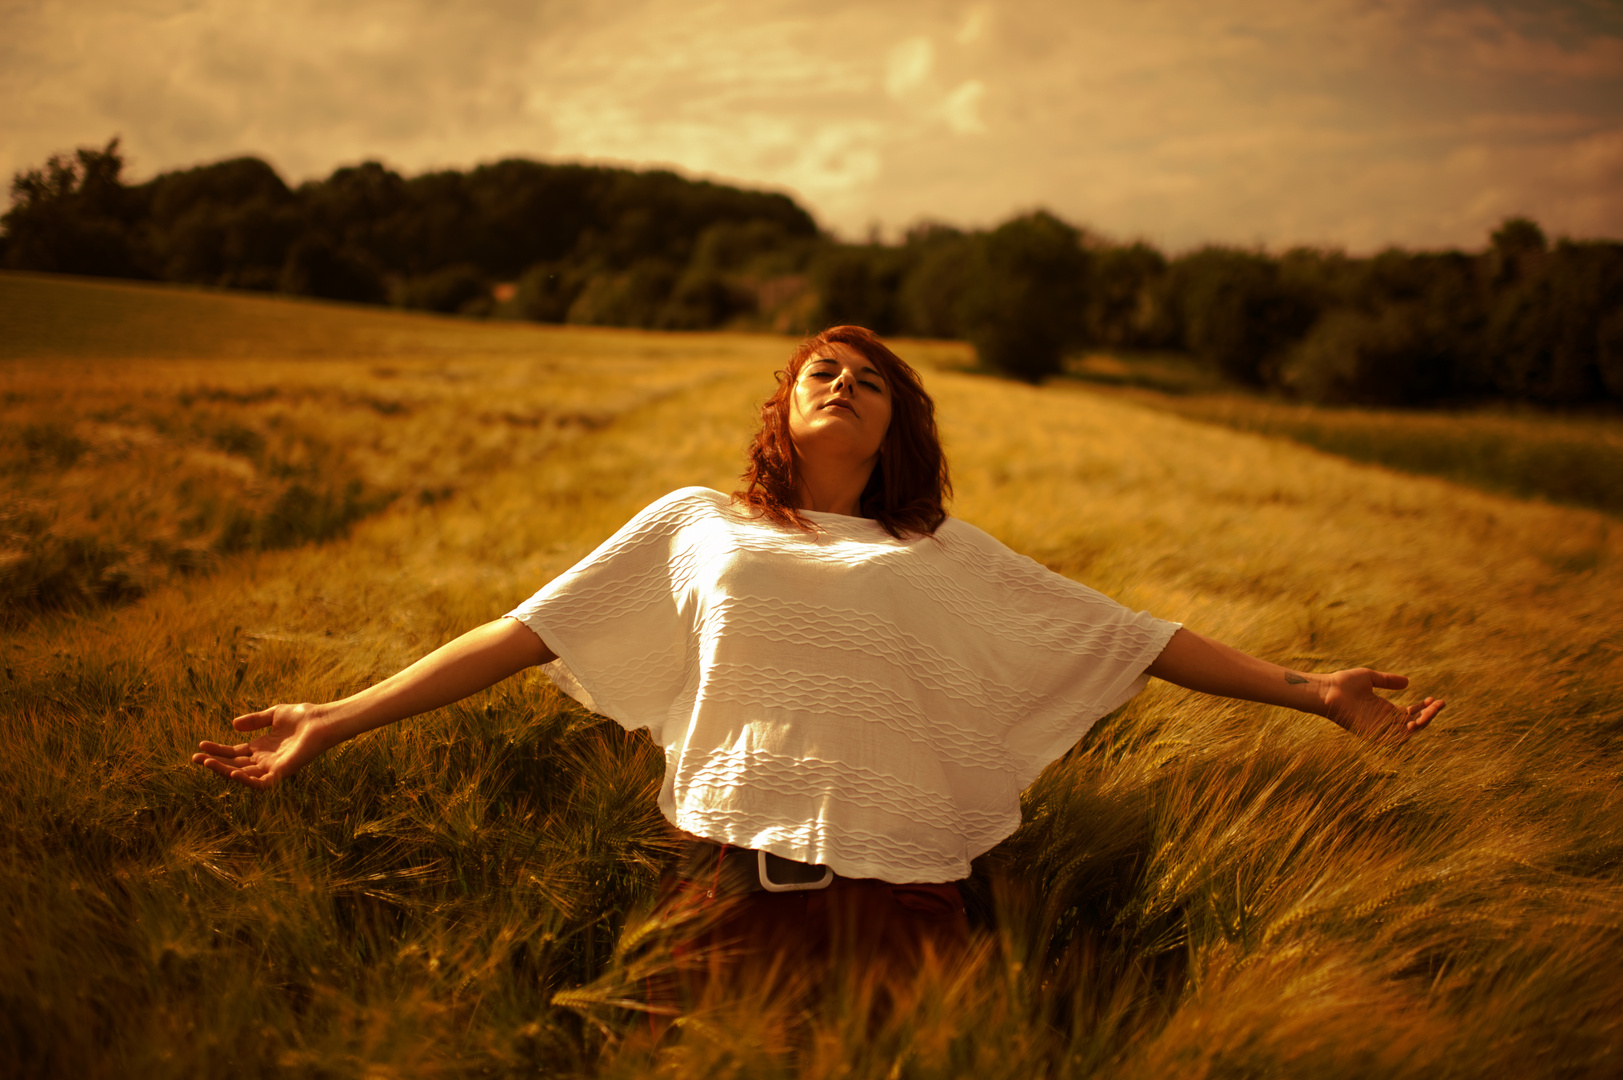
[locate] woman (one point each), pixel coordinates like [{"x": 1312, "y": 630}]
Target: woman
[{"x": 852, "y": 688}]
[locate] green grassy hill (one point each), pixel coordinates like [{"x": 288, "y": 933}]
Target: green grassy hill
[
  {"x": 1203, "y": 888},
  {"x": 1575, "y": 459}
]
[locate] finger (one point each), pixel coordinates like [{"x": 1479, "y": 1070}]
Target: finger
[
  {"x": 1420, "y": 715},
  {"x": 222, "y": 750},
  {"x": 257, "y": 782},
  {"x": 254, "y": 721},
  {"x": 231, "y": 761},
  {"x": 217, "y": 765},
  {"x": 1386, "y": 680}
]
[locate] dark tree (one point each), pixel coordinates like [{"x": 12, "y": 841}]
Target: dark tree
[
  {"x": 633, "y": 297},
  {"x": 528, "y": 213},
  {"x": 547, "y": 291},
  {"x": 360, "y": 209},
  {"x": 1121, "y": 285},
  {"x": 317, "y": 267},
  {"x": 702, "y": 299},
  {"x": 440, "y": 227},
  {"x": 931, "y": 299},
  {"x": 1027, "y": 299},
  {"x": 1609, "y": 350},
  {"x": 460, "y": 287},
  {"x": 859, "y": 285},
  {"x": 1545, "y": 331},
  {"x": 1519, "y": 247},
  {"x": 1237, "y": 311},
  {"x": 229, "y": 224},
  {"x": 1398, "y": 328},
  {"x": 1393, "y": 356},
  {"x": 75, "y": 216}
]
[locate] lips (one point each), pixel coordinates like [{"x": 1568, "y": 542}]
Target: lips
[{"x": 840, "y": 405}]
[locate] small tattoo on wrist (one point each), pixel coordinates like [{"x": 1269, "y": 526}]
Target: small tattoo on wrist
[{"x": 1293, "y": 678}]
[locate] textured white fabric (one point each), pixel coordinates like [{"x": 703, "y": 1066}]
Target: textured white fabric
[{"x": 845, "y": 698}]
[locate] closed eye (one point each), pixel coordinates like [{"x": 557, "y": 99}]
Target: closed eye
[{"x": 826, "y": 374}]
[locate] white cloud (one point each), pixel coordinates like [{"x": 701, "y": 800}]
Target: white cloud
[
  {"x": 962, "y": 108},
  {"x": 909, "y": 66},
  {"x": 974, "y": 24}
]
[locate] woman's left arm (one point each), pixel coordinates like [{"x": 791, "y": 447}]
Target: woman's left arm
[{"x": 1348, "y": 698}]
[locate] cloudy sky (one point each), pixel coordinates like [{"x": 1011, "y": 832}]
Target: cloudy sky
[{"x": 1357, "y": 123}]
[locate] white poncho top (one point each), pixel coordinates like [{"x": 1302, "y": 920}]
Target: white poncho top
[{"x": 841, "y": 697}]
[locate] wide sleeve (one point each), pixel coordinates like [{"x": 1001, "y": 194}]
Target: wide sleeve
[
  {"x": 1068, "y": 653},
  {"x": 618, "y": 620}
]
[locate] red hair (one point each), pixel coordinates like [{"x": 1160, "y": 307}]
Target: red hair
[{"x": 909, "y": 485}]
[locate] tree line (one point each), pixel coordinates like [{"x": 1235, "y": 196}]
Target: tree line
[{"x": 1523, "y": 319}]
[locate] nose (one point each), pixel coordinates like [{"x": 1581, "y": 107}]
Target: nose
[{"x": 846, "y": 381}]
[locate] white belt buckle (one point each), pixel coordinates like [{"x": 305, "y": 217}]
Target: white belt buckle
[{"x": 789, "y": 886}]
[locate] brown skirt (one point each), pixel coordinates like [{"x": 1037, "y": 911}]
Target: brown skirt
[{"x": 750, "y": 939}]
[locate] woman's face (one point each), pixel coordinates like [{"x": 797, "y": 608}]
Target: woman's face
[{"x": 840, "y": 406}]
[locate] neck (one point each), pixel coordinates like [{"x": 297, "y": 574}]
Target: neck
[{"x": 831, "y": 487}]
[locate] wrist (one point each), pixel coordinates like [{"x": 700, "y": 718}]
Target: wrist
[
  {"x": 1316, "y": 693},
  {"x": 325, "y": 724}
]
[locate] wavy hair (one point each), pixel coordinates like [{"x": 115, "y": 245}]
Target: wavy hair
[{"x": 909, "y": 486}]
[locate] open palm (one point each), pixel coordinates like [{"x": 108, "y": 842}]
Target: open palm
[
  {"x": 289, "y": 742},
  {"x": 1352, "y": 702}
]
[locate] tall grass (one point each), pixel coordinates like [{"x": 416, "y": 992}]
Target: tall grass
[{"x": 1201, "y": 888}]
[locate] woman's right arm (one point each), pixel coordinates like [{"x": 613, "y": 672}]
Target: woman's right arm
[
  {"x": 297, "y": 734},
  {"x": 1347, "y": 698}
]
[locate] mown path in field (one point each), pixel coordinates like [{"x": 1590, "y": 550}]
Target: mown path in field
[{"x": 1492, "y": 843}]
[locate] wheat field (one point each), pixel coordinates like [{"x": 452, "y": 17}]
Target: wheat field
[{"x": 1202, "y": 888}]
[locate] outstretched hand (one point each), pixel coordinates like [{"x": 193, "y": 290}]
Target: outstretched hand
[
  {"x": 1350, "y": 700},
  {"x": 287, "y": 745}
]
